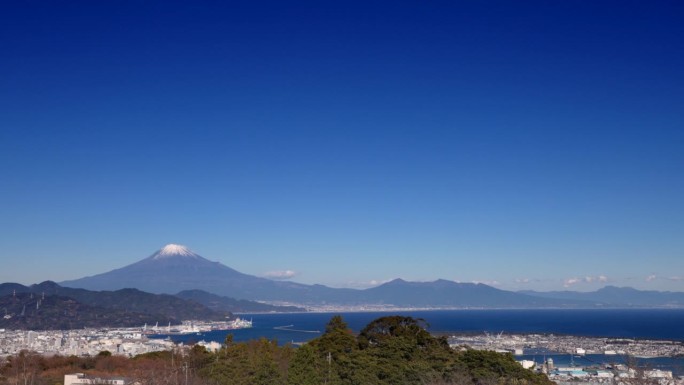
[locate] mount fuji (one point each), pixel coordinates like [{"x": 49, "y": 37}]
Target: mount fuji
[{"x": 175, "y": 268}]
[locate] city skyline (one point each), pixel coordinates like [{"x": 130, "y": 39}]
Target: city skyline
[{"x": 527, "y": 146}]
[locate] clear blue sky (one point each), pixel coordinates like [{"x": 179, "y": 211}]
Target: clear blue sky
[{"x": 531, "y": 145}]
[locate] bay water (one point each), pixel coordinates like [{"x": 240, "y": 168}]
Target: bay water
[{"x": 663, "y": 324}]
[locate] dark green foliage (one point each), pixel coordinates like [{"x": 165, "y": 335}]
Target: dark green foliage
[
  {"x": 336, "y": 324},
  {"x": 337, "y": 339},
  {"x": 306, "y": 367},
  {"x": 390, "y": 350},
  {"x": 404, "y": 352},
  {"x": 389, "y": 328},
  {"x": 33, "y": 312},
  {"x": 483, "y": 365},
  {"x": 398, "y": 350},
  {"x": 162, "y": 355},
  {"x": 253, "y": 362},
  {"x": 198, "y": 357}
]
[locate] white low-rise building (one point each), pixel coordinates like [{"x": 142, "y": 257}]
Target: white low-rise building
[
  {"x": 657, "y": 373},
  {"x": 82, "y": 379},
  {"x": 527, "y": 364}
]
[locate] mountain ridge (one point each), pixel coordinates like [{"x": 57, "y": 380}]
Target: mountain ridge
[
  {"x": 615, "y": 296},
  {"x": 164, "y": 307},
  {"x": 29, "y": 311},
  {"x": 175, "y": 268},
  {"x": 222, "y": 303}
]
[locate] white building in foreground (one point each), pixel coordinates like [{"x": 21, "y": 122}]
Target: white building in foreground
[{"x": 82, "y": 379}]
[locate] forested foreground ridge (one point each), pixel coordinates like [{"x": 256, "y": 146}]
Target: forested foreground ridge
[{"x": 390, "y": 350}]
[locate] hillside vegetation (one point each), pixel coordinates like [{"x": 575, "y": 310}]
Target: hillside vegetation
[{"x": 48, "y": 306}]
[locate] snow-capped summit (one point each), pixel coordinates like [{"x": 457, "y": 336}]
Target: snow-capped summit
[
  {"x": 172, "y": 250},
  {"x": 175, "y": 255}
]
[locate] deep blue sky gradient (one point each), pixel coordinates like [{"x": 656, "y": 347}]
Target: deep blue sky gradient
[{"x": 527, "y": 143}]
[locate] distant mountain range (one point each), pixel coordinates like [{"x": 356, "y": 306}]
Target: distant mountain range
[
  {"x": 611, "y": 296},
  {"x": 175, "y": 268},
  {"x": 184, "y": 286},
  {"x": 220, "y": 303},
  {"x": 443, "y": 293}
]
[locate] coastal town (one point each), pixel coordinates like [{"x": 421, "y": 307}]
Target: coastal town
[
  {"x": 601, "y": 368},
  {"x": 118, "y": 341},
  {"x": 522, "y": 343},
  {"x": 81, "y": 342}
]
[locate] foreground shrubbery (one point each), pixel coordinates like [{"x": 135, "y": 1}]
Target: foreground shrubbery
[{"x": 390, "y": 350}]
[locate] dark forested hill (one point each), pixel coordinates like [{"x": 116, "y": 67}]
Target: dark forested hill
[
  {"x": 53, "y": 312},
  {"x": 392, "y": 350},
  {"x": 137, "y": 301},
  {"x": 125, "y": 307}
]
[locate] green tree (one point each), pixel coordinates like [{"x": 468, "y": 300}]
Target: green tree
[
  {"x": 487, "y": 366},
  {"x": 337, "y": 340},
  {"x": 336, "y": 323},
  {"x": 247, "y": 363},
  {"x": 306, "y": 367},
  {"x": 385, "y": 328},
  {"x": 266, "y": 372}
]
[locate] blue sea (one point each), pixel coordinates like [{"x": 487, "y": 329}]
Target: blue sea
[{"x": 666, "y": 324}]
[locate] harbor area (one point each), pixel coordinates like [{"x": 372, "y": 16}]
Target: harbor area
[
  {"x": 118, "y": 341},
  {"x": 525, "y": 343},
  {"x": 587, "y": 360}
]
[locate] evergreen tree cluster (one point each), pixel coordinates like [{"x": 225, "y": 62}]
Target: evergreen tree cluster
[{"x": 390, "y": 350}]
